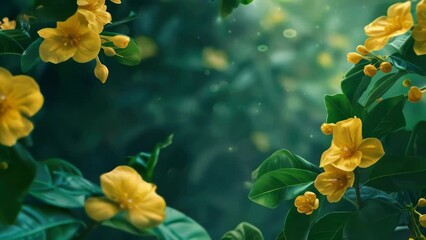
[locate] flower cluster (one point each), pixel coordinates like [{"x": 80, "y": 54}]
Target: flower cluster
[
  {"x": 348, "y": 151},
  {"x": 6, "y": 24},
  {"x": 79, "y": 38}
]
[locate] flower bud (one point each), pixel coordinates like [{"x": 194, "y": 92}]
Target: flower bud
[
  {"x": 109, "y": 51},
  {"x": 386, "y": 67},
  {"x": 7, "y": 25},
  {"x": 101, "y": 71},
  {"x": 120, "y": 41},
  {"x": 406, "y": 83},
  {"x": 370, "y": 70},
  {"x": 362, "y": 50},
  {"x": 415, "y": 94},
  {"x": 422, "y": 220},
  {"x": 4, "y": 165},
  {"x": 327, "y": 128},
  {"x": 116, "y": 1},
  {"x": 306, "y": 203},
  {"x": 421, "y": 202},
  {"x": 353, "y": 57}
]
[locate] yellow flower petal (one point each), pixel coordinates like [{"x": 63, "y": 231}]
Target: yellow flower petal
[
  {"x": 26, "y": 95},
  {"x": 149, "y": 213},
  {"x": 100, "y": 209},
  {"x": 376, "y": 43},
  {"x": 348, "y": 133},
  {"x": 377, "y": 27},
  {"x": 12, "y": 127},
  {"x": 330, "y": 155},
  {"x": 54, "y": 51},
  {"x": 334, "y": 183},
  {"x": 88, "y": 47},
  {"x": 121, "y": 180},
  {"x": 350, "y": 163},
  {"x": 372, "y": 151}
]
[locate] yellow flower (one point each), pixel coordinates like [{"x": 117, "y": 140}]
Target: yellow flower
[
  {"x": 95, "y": 12},
  {"x": 327, "y": 128},
  {"x": 370, "y": 70},
  {"x": 334, "y": 182},
  {"x": 419, "y": 31},
  {"x": 20, "y": 98},
  {"x": 382, "y": 29},
  {"x": 415, "y": 94},
  {"x": 71, "y": 39},
  {"x": 348, "y": 150},
  {"x": 354, "y": 57},
  {"x": 306, "y": 203},
  {"x": 7, "y": 25},
  {"x": 125, "y": 190},
  {"x": 101, "y": 71}
]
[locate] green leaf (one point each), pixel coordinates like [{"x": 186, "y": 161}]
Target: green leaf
[
  {"x": 8, "y": 45},
  {"x": 227, "y": 6},
  {"x": 375, "y": 220},
  {"x": 284, "y": 159},
  {"x": 354, "y": 85},
  {"x": 30, "y": 57},
  {"x": 61, "y": 184},
  {"x": 357, "y": 67},
  {"x": 404, "y": 65},
  {"x": 297, "y": 225},
  {"x": 372, "y": 193},
  {"x": 338, "y": 108},
  {"x": 408, "y": 60},
  {"x": 14, "y": 181},
  {"x": 417, "y": 143},
  {"x": 385, "y": 118},
  {"x": 244, "y": 231},
  {"x": 178, "y": 226},
  {"x": 54, "y": 10},
  {"x": 145, "y": 163},
  {"x": 245, "y": 2},
  {"x": 329, "y": 227},
  {"x": 130, "y": 56},
  {"x": 394, "y": 174},
  {"x": 382, "y": 85},
  {"x": 132, "y": 16},
  {"x": 41, "y": 224},
  {"x": 281, "y": 184}
]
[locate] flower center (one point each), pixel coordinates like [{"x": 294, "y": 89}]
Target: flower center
[
  {"x": 395, "y": 25},
  {"x": 346, "y": 151},
  {"x": 338, "y": 183},
  {"x": 71, "y": 40},
  {"x": 126, "y": 202}
]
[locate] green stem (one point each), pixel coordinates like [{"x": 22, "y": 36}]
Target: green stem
[
  {"x": 414, "y": 225},
  {"x": 357, "y": 190}
]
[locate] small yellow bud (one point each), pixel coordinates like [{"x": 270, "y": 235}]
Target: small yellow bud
[
  {"x": 327, "y": 128},
  {"x": 7, "y": 25},
  {"x": 370, "y": 70},
  {"x": 109, "y": 51},
  {"x": 386, "y": 67},
  {"x": 4, "y": 165},
  {"x": 406, "y": 83},
  {"x": 415, "y": 94},
  {"x": 362, "y": 50},
  {"x": 422, "y": 220},
  {"x": 120, "y": 41},
  {"x": 116, "y": 1},
  {"x": 421, "y": 202},
  {"x": 379, "y": 100},
  {"x": 101, "y": 71},
  {"x": 353, "y": 57}
]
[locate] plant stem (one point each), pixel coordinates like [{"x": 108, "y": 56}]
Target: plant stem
[
  {"x": 415, "y": 227},
  {"x": 357, "y": 190}
]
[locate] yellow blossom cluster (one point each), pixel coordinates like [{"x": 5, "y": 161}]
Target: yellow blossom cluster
[
  {"x": 306, "y": 203},
  {"x": 348, "y": 151},
  {"x": 6, "y": 24},
  {"x": 79, "y": 38},
  {"x": 126, "y": 192}
]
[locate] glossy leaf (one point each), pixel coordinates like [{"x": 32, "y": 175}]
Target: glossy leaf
[
  {"x": 329, "y": 227},
  {"x": 394, "y": 174},
  {"x": 41, "y": 224},
  {"x": 338, "y": 108},
  {"x": 356, "y": 68},
  {"x": 381, "y": 86},
  {"x": 244, "y": 231},
  {"x": 367, "y": 192},
  {"x": 417, "y": 143},
  {"x": 14, "y": 181},
  {"x": 30, "y": 57},
  {"x": 380, "y": 217},
  {"x": 297, "y": 224},
  {"x": 354, "y": 85},
  {"x": 130, "y": 56},
  {"x": 281, "y": 184},
  {"x": 284, "y": 159},
  {"x": 408, "y": 60},
  {"x": 385, "y": 118},
  {"x": 8, "y": 45},
  {"x": 61, "y": 184}
]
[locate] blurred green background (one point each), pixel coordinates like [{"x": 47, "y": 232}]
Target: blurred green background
[{"x": 232, "y": 91}]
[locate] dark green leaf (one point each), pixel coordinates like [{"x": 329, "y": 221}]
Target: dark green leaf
[
  {"x": 329, "y": 227},
  {"x": 338, "y": 108},
  {"x": 408, "y": 60},
  {"x": 375, "y": 220},
  {"x": 297, "y": 224},
  {"x": 226, "y": 6},
  {"x": 14, "y": 181},
  {"x": 54, "y": 10},
  {"x": 178, "y": 226},
  {"x": 356, "y": 68},
  {"x": 244, "y": 231},
  {"x": 400, "y": 63},
  {"x": 61, "y": 184},
  {"x": 417, "y": 143},
  {"x": 41, "y": 224},
  {"x": 30, "y": 57},
  {"x": 382, "y": 85},
  {"x": 394, "y": 174},
  {"x": 385, "y": 118},
  {"x": 284, "y": 159},
  {"x": 281, "y": 184},
  {"x": 245, "y": 2},
  {"x": 372, "y": 193},
  {"x": 130, "y": 56},
  {"x": 354, "y": 85},
  {"x": 8, "y": 45}
]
